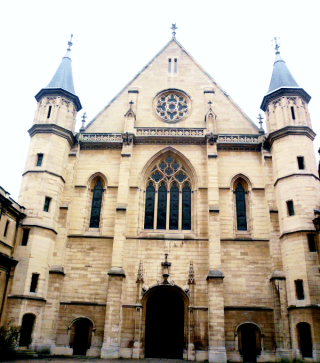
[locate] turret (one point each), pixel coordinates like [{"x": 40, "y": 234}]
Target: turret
[
  {"x": 296, "y": 186},
  {"x": 44, "y": 178}
]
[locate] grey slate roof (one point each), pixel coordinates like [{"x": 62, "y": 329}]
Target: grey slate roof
[
  {"x": 63, "y": 77},
  {"x": 281, "y": 76}
]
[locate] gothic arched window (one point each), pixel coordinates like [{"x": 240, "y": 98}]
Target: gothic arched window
[
  {"x": 96, "y": 205},
  {"x": 168, "y": 197},
  {"x": 241, "y": 207}
]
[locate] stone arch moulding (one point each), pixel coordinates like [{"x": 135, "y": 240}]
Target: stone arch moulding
[
  {"x": 248, "y": 322},
  {"x": 236, "y": 342},
  {"x": 95, "y": 176},
  {"x": 80, "y": 318},
  {"x": 240, "y": 176},
  {"x": 155, "y": 288},
  {"x": 146, "y": 170}
]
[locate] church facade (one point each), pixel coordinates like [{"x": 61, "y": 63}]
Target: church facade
[{"x": 170, "y": 226}]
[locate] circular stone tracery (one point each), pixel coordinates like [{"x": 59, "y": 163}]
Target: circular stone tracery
[{"x": 172, "y": 106}]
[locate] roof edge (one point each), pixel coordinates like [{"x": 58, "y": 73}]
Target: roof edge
[{"x": 59, "y": 91}]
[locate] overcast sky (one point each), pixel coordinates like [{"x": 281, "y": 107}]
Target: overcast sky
[{"x": 113, "y": 40}]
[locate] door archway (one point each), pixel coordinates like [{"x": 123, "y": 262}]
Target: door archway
[
  {"x": 249, "y": 342},
  {"x": 26, "y": 330},
  {"x": 164, "y": 335},
  {"x": 81, "y": 333},
  {"x": 305, "y": 340}
]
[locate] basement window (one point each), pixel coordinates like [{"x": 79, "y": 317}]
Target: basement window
[
  {"x": 46, "y": 204},
  {"x": 299, "y": 289},
  {"x": 6, "y": 228},
  {"x": 25, "y": 237},
  {"x": 49, "y": 111},
  {"x": 300, "y": 162},
  {"x": 312, "y": 243},
  {"x": 290, "y": 208},
  {"x": 39, "y": 160},
  {"x": 34, "y": 282},
  {"x": 175, "y": 65},
  {"x": 292, "y": 113}
]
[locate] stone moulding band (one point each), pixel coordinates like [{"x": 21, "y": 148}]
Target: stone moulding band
[
  {"x": 295, "y": 174},
  {"x": 170, "y": 135},
  {"x": 44, "y": 171},
  {"x": 248, "y": 308},
  {"x": 82, "y": 303},
  {"x": 27, "y": 297},
  {"x": 52, "y": 129}
]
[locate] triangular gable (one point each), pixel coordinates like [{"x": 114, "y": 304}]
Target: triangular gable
[{"x": 173, "y": 40}]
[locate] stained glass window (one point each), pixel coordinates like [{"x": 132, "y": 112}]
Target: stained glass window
[
  {"x": 149, "y": 211},
  {"x": 172, "y": 106},
  {"x": 96, "y": 205},
  {"x": 241, "y": 208},
  {"x": 186, "y": 207},
  {"x": 162, "y": 207},
  {"x": 168, "y": 171}
]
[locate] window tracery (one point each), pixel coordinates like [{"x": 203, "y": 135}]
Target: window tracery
[
  {"x": 172, "y": 106},
  {"x": 168, "y": 197}
]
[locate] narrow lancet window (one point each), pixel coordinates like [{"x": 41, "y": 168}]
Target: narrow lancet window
[
  {"x": 174, "y": 207},
  {"x": 299, "y": 289},
  {"x": 162, "y": 207},
  {"x": 149, "y": 211},
  {"x": 49, "y": 111},
  {"x": 39, "y": 160},
  {"x": 34, "y": 282},
  {"x": 96, "y": 205},
  {"x": 300, "y": 162},
  {"x": 175, "y": 65},
  {"x": 290, "y": 208},
  {"x": 47, "y": 204},
  {"x": 25, "y": 237},
  {"x": 292, "y": 113},
  {"x": 169, "y": 66},
  {"x": 186, "y": 207},
  {"x": 241, "y": 208}
]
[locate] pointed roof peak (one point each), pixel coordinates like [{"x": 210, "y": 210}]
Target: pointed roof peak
[
  {"x": 63, "y": 78},
  {"x": 281, "y": 79}
]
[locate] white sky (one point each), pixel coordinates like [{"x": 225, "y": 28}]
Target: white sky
[{"x": 113, "y": 41}]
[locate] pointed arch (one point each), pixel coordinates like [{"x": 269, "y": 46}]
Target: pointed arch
[
  {"x": 95, "y": 177},
  {"x": 168, "y": 181},
  {"x": 183, "y": 159}
]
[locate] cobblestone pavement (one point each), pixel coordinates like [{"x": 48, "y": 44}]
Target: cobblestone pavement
[{"x": 93, "y": 360}]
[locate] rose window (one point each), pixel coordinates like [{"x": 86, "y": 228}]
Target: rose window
[{"x": 172, "y": 106}]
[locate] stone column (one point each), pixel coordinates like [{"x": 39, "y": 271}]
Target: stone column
[
  {"x": 216, "y": 334},
  {"x": 112, "y": 331}
]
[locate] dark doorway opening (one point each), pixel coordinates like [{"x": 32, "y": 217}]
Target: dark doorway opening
[
  {"x": 26, "y": 330},
  {"x": 250, "y": 342},
  {"x": 305, "y": 340},
  {"x": 81, "y": 336},
  {"x": 164, "y": 325}
]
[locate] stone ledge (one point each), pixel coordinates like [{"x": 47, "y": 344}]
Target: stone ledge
[
  {"x": 116, "y": 271},
  {"x": 215, "y": 274},
  {"x": 27, "y": 297},
  {"x": 57, "y": 270}
]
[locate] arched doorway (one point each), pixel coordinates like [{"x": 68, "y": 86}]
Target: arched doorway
[
  {"x": 26, "y": 330},
  {"x": 164, "y": 324},
  {"x": 80, "y": 339},
  {"x": 305, "y": 340},
  {"x": 249, "y": 342}
]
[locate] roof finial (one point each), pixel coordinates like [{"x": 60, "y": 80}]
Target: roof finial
[
  {"x": 174, "y": 28},
  {"x": 84, "y": 116},
  {"x": 70, "y": 42},
  {"x": 260, "y": 118},
  {"x": 276, "y": 44}
]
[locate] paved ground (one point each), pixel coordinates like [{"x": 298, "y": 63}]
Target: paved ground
[{"x": 93, "y": 360}]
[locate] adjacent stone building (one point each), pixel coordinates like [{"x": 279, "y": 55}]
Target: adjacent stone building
[{"x": 170, "y": 225}]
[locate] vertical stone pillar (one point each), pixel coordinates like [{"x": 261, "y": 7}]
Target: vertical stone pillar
[
  {"x": 216, "y": 333},
  {"x": 112, "y": 331}
]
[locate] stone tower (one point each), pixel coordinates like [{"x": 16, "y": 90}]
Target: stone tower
[
  {"x": 44, "y": 179},
  {"x": 296, "y": 189}
]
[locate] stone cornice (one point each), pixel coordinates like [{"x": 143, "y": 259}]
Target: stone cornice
[
  {"x": 290, "y": 130},
  {"x": 39, "y": 226},
  {"x": 59, "y": 92},
  {"x": 52, "y": 129},
  {"x": 295, "y": 174},
  {"x": 44, "y": 171},
  {"x": 248, "y": 308}
]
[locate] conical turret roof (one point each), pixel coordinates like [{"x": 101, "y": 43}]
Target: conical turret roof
[
  {"x": 63, "y": 77},
  {"x": 62, "y": 81},
  {"x": 281, "y": 76},
  {"x": 282, "y": 82}
]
